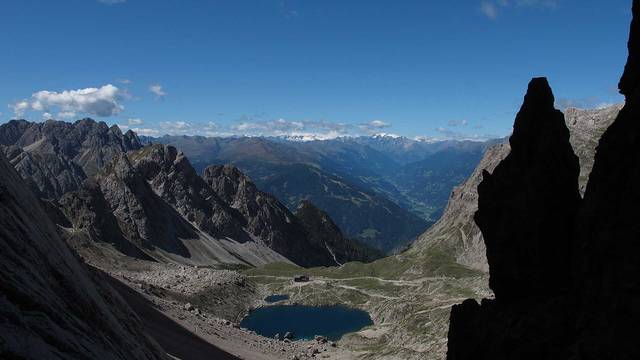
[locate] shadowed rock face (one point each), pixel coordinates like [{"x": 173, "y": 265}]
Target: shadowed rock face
[
  {"x": 265, "y": 216},
  {"x": 52, "y": 306},
  {"x": 608, "y": 230},
  {"x": 323, "y": 232},
  {"x": 589, "y": 307},
  {"x": 526, "y": 207},
  {"x": 173, "y": 178}
]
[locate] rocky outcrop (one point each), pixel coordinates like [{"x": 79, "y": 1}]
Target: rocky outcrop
[
  {"x": 585, "y": 304},
  {"x": 92, "y": 220},
  {"x": 266, "y": 217},
  {"x": 526, "y": 207},
  {"x": 172, "y": 177},
  {"x": 51, "y": 305},
  {"x": 49, "y": 174},
  {"x": 155, "y": 212},
  {"x": 59, "y": 156}
]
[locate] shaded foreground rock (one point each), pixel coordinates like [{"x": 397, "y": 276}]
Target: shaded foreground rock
[
  {"x": 526, "y": 207},
  {"x": 578, "y": 296},
  {"x": 51, "y": 305}
]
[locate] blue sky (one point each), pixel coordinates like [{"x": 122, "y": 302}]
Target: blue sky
[{"x": 443, "y": 69}]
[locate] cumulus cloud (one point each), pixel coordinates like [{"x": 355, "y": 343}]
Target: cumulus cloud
[
  {"x": 20, "y": 107},
  {"x": 135, "y": 121},
  {"x": 157, "y": 90},
  {"x": 67, "y": 114},
  {"x": 103, "y": 101}
]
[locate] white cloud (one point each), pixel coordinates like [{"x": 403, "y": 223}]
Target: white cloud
[
  {"x": 157, "y": 90},
  {"x": 379, "y": 124},
  {"x": 146, "y": 131},
  {"x": 103, "y": 101},
  {"x": 20, "y": 107},
  {"x": 282, "y": 127},
  {"x": 47, "y": 116},
  {"x": 373, "y": 127},
  {"x": 177, "y": 128},
  {"x": 67, "y": 114},
  {"x": 135, "y": 121}
]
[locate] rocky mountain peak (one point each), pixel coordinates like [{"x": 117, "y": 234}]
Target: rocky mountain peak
[
  {"x": 526, "y": 206},
  {"x": 228, "y": 182}
]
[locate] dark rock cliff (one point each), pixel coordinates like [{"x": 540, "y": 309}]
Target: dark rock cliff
[
  {"x": 323, "y": 232},
  {"x": 51, "y": 305},
  {"x": 564, "y": 271},
  {"x": 526, "y": 207}
]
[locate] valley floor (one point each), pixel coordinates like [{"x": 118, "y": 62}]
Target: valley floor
[
  {"x": 410, "y": 313},
  {"x": 411, "y": 316},
  {"x": 194, "y": 312}
]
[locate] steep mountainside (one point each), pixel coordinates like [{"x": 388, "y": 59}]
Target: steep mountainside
[
  {"x": 586, "y": 128},
  {"x": 323, "y": 232},
  {"x": 272, "y": 222},
  {"x": 564, "y": 272},
  {"x": 150, "y": 203},
  {"x": 52, "y": 306},
  {"x": 380, "y": 190},
  {"x": 457, "y": 232}
]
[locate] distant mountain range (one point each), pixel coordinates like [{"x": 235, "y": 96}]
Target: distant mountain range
[{"x": 382, "y": 190}]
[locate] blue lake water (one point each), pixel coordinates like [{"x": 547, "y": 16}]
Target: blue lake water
[
  {"x": 276, "y": 298},
  {"x": 306, "y": 321}
]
